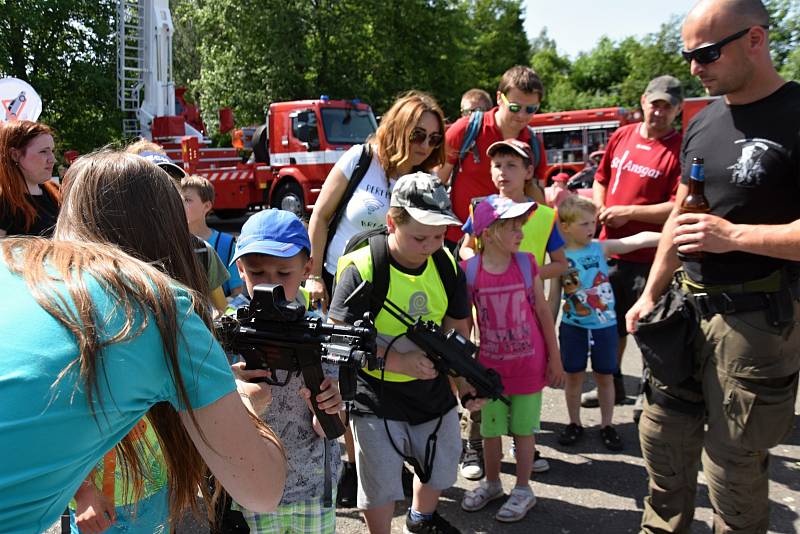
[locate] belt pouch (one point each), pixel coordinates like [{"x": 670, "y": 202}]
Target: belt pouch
[{"x": 666, "y": 335}]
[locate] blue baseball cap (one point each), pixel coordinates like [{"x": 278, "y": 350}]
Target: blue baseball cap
[{"x": 272, "y": 232}]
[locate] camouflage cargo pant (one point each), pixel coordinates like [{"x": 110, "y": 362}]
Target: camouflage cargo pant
[{"x": 747, "y": 374}]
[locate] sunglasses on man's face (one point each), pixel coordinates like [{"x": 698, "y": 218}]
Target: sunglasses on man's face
[
  {"x": 513, "y": 107},
  {"x": 418, "y": 136},
  {"x": 710, "y": 53}
]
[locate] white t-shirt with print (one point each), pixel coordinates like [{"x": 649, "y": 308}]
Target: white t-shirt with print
[{"x": 367, "y": 208}]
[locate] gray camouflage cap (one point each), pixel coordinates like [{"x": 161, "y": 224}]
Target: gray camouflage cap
[{"x": 424, "y": 198}]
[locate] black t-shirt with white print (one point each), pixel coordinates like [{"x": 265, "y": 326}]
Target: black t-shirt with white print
[{"x": 752, "y": 175}]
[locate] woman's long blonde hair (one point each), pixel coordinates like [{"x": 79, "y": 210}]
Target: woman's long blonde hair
[
  {"x": 392, "y": 136},
  {"x": 113, "y": 201}
]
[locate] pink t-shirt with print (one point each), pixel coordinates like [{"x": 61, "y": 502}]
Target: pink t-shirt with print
[{"x": 511, "y": 340}]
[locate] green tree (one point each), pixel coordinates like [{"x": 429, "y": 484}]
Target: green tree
[
  {"x": 784, "y": 32},
  {"x": 498, "y": 39},
  {"x": 659, "y": 54},
  {"x": 66, "y": 51}
]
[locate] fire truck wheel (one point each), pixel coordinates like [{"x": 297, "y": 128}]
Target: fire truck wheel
[{"x": 289, "y": 197}]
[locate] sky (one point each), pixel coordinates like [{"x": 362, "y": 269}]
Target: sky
[{"x": 576, "y": 25}]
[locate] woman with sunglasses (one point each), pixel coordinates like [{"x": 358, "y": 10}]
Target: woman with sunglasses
[{"x": 410, "y": 138}]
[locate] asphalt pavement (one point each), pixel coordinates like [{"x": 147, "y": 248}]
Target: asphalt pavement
[{"x": 590, "y": 490}]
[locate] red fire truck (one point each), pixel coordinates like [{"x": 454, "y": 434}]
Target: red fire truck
[
  {"x": 291, "y": 154},
  {"x": 571, "y": 136}
]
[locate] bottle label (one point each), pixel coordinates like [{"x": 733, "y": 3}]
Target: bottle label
[{"x": 698, "y": 173}]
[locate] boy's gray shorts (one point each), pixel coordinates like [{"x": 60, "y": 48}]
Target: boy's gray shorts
[{"x": 379, "y": 466}]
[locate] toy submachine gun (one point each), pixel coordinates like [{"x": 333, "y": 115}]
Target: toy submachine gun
[
  {"x": 450, "y": 352},
  {"x": 274, "y": 334}
]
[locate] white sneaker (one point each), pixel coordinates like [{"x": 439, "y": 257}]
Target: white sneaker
[
  {"x": 472, "y": 464},
  {"x": 540, "y": 465}
]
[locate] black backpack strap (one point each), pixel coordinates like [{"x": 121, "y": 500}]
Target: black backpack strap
[
  {"x": 379, "y": 253},
  {"x": 355, "y": 179},
  {"x": 447, "y": 271}
]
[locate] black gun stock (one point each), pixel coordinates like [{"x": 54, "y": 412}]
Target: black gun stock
[{"x": 274, "y": 334}]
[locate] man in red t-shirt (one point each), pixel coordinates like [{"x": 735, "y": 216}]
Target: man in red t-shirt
[
  {"x": 520, "y": 89},
  {"x": 634, "y": 189}
]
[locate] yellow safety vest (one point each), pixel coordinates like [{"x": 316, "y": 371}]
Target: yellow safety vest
[
  {"x": 536, "y": 232},
  {"x": 418, "y": 295}
]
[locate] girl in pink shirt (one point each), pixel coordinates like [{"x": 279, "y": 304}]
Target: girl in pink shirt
[{"x": 518, "y": 340}]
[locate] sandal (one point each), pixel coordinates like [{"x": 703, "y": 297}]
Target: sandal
[
  {"x": 516, "y": 507},
  {"x": 570, "y": 434},
  {"x": 478, "y": 498},
  {"x": 611, "y": 439}
]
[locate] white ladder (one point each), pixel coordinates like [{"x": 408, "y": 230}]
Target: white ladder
[{"x": 130, "y": 63}]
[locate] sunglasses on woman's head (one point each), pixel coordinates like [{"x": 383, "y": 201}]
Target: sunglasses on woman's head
[
  {"x": 710, "y": 53},
  {"x": 418, "y": 136},
  {"x": 513, "y": 107}
]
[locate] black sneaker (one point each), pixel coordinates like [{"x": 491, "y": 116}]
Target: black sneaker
[
  {"x": 570, "y": 434},
  {"x": 611, "y": 439},
  {"x": 348, "y": 487},
  {"x": 435, "y": 525},
  {"x": 472, "y": 460}
]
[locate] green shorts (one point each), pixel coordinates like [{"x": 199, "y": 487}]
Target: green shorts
[{"x": 524, "y": 419}]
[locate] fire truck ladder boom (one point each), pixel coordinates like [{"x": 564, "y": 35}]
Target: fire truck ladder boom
[{"x": 130, "y": 63}]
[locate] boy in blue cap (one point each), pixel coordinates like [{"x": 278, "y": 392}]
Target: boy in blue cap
[{"x": 273, "y": 248}]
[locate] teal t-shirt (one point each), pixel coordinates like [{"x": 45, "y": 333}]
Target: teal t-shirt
[
  {"x": 587, "y": 300},
  {"x": 49, "y": 440}
]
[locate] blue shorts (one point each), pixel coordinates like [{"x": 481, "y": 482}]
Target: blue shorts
[{"x": 578, "y": 344}]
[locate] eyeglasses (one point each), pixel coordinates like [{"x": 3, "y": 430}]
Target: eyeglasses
[
  {"x": 710, "y": 53},
  {"x": 418, "y": 136},
  {"x": 513, "y": 107}
]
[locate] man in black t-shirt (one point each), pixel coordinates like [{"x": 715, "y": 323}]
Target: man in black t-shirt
[{"x": 742, "y": 366}]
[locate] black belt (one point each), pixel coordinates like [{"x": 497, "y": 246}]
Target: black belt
[
  {"x": 709, "y": 304},
  {"x": 712, "y": 303}
]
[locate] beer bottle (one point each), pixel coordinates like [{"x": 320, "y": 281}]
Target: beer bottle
[{"x": 695, "y": 201}]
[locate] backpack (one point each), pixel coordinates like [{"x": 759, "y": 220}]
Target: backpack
[
  {"x": 377, "y": 239},
  {"x": 469, "y": 143},
  {"x": 523, "y": 262},
  {"x": 355, "y": 179},
  {"x": 225, "y": 244}
]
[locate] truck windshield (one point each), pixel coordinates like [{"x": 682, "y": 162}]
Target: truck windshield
[{"x": 347, "y": 126}]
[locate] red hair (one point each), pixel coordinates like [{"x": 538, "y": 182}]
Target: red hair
[{"x": 13, "y": 190}]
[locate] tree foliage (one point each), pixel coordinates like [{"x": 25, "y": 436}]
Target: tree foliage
[
  {"x": 66, "y": 51},
  {"x": 245, "y": 54}
]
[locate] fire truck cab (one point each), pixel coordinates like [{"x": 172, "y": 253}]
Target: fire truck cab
[
  {"x": 302, "y": 141},
  {"x": 292, "y": 154}
]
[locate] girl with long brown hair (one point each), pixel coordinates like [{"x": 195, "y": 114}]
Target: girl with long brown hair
[
  {"x": 28, "y": 199},
  {"x": 97, "y": 338}
]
